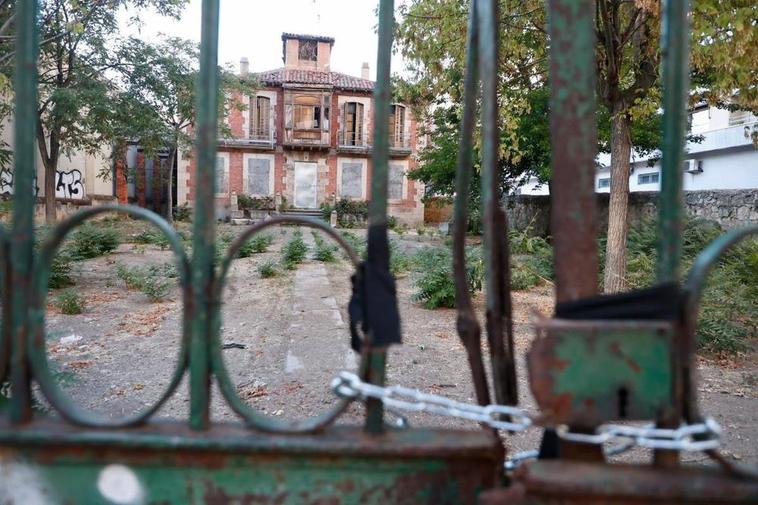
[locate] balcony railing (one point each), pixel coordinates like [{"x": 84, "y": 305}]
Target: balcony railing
[
  {"x": 262, "y": 134},
  {"x": 352, "y": 141},
  {"x": 306, "y": 138},
  {"x": 400, "y": 144}
]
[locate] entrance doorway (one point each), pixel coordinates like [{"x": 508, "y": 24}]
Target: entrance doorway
[{"x": 305, "y": 185}]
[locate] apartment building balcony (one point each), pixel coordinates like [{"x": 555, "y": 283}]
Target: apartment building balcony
[
  {"x": 352, "y": 142},
  {"x": 400, "y": 145},
  {"x": 258, "y": 139},
  {"x": 306, "y": 139}
]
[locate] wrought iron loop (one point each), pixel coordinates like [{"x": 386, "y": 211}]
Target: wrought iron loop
[{"x": 687, "y": 438}]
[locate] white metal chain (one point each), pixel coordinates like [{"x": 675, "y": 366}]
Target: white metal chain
[{"x": 689, "y": 437}]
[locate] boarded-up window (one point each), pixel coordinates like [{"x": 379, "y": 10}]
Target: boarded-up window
[
  {"x": 261, "y": 118},
  {"x": 353, "y": 124},
  {"x": 222, "y": 175},
  {"x": 259, "y": 176},
  {"x": 395, "y": 188},
  {"x": 352, "y": 180}
]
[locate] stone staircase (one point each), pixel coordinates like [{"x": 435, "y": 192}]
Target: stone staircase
[{"x": 306, "y": 213}]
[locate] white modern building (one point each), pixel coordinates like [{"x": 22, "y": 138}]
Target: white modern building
[{"x": 726, "y": 159}]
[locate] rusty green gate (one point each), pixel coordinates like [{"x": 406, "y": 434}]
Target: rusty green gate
[{"x": 587, "y": 369}]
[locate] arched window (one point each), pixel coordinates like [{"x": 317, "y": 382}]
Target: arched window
[
  {"x": 352, "y": 129},
  {"x": 397, "y": 126},
  {"x": 260, "y": 121}
]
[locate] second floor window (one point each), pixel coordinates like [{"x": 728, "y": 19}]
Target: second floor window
[
  {"x": 307, "y": 113},
  {"x": 353, "y": 126},
  {"x": 260, "y": 120},
  {"x": 651, "y": 178},
  {"x": 397, "y": 126}
]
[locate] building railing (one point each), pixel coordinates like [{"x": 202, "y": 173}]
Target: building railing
[
  {"x": 295, "y": 137},
  {"x": 349, "y": 140},
  {"x": 262, "y": 134},
  {"x": 400, "y": 143}
]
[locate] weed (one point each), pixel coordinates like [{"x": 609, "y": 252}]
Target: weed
[
  {"x": 69, "y": 301},
  {"x": 91, "y": 241},
  {"x": 400, "y": 261},
  {"x": 155, "y": 287},
  {"x": 435, "y": 284},
  {"x": 256, "y": 245},
  {"x": 356, "y": 243},
  {"x": 154, "y": 237},
  {"x": 324, "y": 251},
  {"x": 268, "y": 269},
  {"x": 60, "y": 270},
  {"x": 153, "y": 280},
  {"x": 182, "y": 212},
  {"x": 294, "y": 251}
]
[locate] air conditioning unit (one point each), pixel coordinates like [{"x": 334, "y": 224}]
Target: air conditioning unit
[{"x": 693, "y": 166}]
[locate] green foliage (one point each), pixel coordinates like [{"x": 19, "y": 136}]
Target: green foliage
[
  {"x": 294, "y": 251},
  {"x": 256, "y": 245},
  {"x": 324, "y": 251},
  {"x": 60, "y": 270},
  {"x": 350, "y": 213},
  {"x": 400, "y": 261},
  {"x": 69, "y": 301},
  {"x": 153, "y": 281},
  {"x": 248, "y": 203},
  {"x": 153, "y": 237},
  {"x": 435, "y": 284},
  {"x": 268, "y": 269},
  {"x": 523, "y": 278},
  {"x": 182, "y": 213},
  {"x": 356, "y": 243},
  {"x": 91, "y": 241}
]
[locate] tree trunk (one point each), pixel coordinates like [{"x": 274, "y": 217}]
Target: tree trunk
[
  {"x": 50, "y": 162},
  {"x": 615, "y": 250},
  {"x": 169, "y": 197}
]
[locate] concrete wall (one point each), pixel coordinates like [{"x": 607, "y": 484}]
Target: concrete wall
[{"x": 731, "y": 208}]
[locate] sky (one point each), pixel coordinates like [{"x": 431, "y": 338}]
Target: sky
[{"x": 253, "y": 29}]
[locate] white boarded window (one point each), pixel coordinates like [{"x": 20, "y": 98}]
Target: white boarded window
[
  {"x": 258, "y": 177},
  {"x": 396, "y": 177},
  {"x": 222, "y": 174},
  {"x": 352, "y": 180}
]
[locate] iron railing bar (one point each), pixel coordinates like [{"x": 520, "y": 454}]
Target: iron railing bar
[
  {"x": 378, "y": 244},
  {"x": 204, "y": 223},
  {"x": 497, "y": 279},
  {"x": 22, "y": 239},
  {"x": 675, "y": 81},
  {"x": 468, "y": 327}
]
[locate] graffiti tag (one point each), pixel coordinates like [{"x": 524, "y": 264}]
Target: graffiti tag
[
  {"x": 6, "y": 182},
  {"x": 69, "y": 184}
]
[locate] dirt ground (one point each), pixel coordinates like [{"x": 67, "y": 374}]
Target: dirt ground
[{"x": 287, "y": 336}]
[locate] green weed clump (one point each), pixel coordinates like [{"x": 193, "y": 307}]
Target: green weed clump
[
  {"x": 294, "y": 251},
  {"x": 153, "y": 281},
  {"x": 258, "y": 244},
  {"x": 435, "y": 284},
  {"x": 356, "y": 243},
  {"x": 60, "y": 270},
  {"x": 324, "y": 251},
  {"x": 91, "y": 241},
  {"x": 400, "y": 261},
  {"x": 69, "y": 301},
  {"x": 268, "y": 269},
  {"x": 153, "y": 237}
]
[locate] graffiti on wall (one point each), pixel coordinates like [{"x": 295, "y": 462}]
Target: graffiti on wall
[
  {"x": 6, "y": 182},
  {"x": 69, "y": 184}
]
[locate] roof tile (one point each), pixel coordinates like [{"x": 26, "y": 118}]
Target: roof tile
[{"x": 280, "y": 76}]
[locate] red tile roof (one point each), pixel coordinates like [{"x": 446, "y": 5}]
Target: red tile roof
[{"x": 280, "y": 76}]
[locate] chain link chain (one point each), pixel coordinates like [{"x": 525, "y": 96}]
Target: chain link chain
[{"x": 687, "y": 438}]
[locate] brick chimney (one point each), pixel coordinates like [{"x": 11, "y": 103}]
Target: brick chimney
[
  {"x": 365, "y": 71},
  {"x": 244, "y": 66}
]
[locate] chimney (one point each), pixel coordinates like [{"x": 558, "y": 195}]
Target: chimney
[
  {"x": 244, "y": 67},
  {"x": 365, "y": 71}
]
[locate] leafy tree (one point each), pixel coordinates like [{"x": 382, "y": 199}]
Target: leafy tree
[
  {"x": 75, "y": 94},
  {"x": 156, "y": 102},
  {"x": 432, "y": 38}
]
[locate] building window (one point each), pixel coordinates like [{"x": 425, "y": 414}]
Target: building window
[
  {"x": 307, "y": 112},
  {"x": 397, "y": 178},
  {"x": 738, "y": 117},
  {"x": 258, "y": 177},
  {"x": 604, "y": 182},
  {"x": 260, "y": 121},
  {"x": 397, "y": 126},
  {"x": 353, "y": 127},
  {"x": 351, "y": 181},
  {"x": 651, "y": 178},
  {"x": 307, "y": 50},
  {"x": 222, "y": 174}
]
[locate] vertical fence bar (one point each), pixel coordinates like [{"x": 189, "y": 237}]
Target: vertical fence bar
[
  {"x": 22, "y": 241},
  {"x": 204, "y": 226},
  {"x": 675, "y": 81},
  {"x": 573, "y": 134},
  {"x": 496, "y": 254},
  {"x": 674, "y": 41},
  {"x": 573, "y": 139},
  {"x": 378, "y": 245}
]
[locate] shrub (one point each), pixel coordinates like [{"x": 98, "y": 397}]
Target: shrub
[
  {"x": 182, "y": 212},
  {"x": 154, "y": 237},
  {"x": 155, "y": 287},
  {"x": 294, "y": 251},
  {"x": 132, "y": 276},
  {"x": 260, "y": 243},
  {"x": 268, "y": 269},
  {"x": 400, "y": 261},
  {"x": 70, "y": 301},
  {"x": 522, "y": 278},
  {"x": 91, "y": 241},
  {"x": 60, "y": 270},
  {"x": 324, "y": 251},
  {"x": 248, "y": 203},
  {"x": 356, "y": 243},
  {"x": 435, "y": 284},
  {"x": 350, "y": 213}
]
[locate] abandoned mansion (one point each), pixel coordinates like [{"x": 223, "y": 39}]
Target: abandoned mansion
[{"x": 304, "y": 138}]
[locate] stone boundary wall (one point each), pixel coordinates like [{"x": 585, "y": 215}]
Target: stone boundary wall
[{"x": 730, "y": 208}]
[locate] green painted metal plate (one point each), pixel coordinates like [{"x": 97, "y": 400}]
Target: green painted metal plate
[{"x": 584, "y": 373}]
